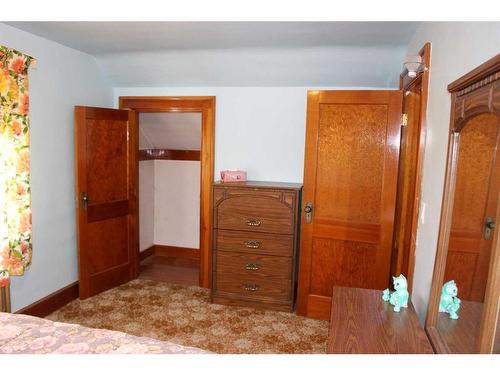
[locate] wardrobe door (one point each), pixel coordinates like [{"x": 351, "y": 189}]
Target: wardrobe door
[{"x": 350, "y": 178}]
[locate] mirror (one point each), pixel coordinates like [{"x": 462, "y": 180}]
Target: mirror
[
  {"x": 473, "y": 218},
  {"x": 465, "y": 295}
]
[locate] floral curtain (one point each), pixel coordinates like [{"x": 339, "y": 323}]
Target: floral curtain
[{"x": 15, "y": 198}]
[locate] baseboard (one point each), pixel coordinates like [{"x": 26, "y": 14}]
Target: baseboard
[
  {"x": 177, "y": 252},
  {"x": 52, "y": 302},
  {"x": 146, "y": 253}
]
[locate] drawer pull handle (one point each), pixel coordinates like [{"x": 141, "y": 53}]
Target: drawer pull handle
[
  {"x": 251, "y": 287},
  {"x": 253, "y": 223},
  {"x": 252, "y": 244},
  {"x": 252, "y": 266}
]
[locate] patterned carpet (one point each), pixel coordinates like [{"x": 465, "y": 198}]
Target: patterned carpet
[{"x": 184, "y": 315}]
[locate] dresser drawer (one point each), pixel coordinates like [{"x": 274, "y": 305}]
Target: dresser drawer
[
  {"x": 256, "y": 243},
  {"x": 251, "y": 265},
  {"x": 253, "y": 286},
  {"x": 255, "y": 212}
]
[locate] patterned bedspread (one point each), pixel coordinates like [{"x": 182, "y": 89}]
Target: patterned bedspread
[{"x": 28, "y": 334}]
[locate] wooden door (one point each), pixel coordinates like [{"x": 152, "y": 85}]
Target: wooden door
[
  {"x": 475, "y": 200},
  {"x": 106, "y": 193},
  {"x": 350, "y": 177}
]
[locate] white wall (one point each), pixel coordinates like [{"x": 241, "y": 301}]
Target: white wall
[
  {"x": 146, "y": 204},
  {"x": 457, "y": 48},
  {"x": 258, "y": 129},
  {"x": 64, "y": 77},
  {"x": 177, "y": 203},
  {"x": 341, "y": 65}
]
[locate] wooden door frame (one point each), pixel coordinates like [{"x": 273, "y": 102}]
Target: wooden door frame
[
  {"x": 406, "y": 83},
  {"x": 206, "y": 106}
]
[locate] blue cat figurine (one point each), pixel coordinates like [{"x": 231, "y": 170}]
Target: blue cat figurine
[
  {"x": 449, "y": 301},
  {"x": 398, "y": 298}
]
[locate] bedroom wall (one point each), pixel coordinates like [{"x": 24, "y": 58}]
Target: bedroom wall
[
  {"x": 64, "y": 77},
  {"x": 457, "y": 48},
  {"x": 258, "y": 129}
]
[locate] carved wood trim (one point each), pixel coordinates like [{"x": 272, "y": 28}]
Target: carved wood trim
[{"x": 483, "y": 75}]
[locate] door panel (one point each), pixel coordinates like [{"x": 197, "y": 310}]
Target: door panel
[
  {"x": 106, "y": 171},
  {"x": 350, "y": 176}
]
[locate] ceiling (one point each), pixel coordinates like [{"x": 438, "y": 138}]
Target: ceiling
[
  {"x": 170, "y": 131},
  {"x": 214, "y": 54},
  {"x": 98, "y": 38}
]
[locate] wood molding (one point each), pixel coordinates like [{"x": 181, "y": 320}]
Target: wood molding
[
  {"x": 420, "y": 84},
  {"x": 206, "y": 106},
  {"x": 484, "y": 74},
  {"x": 52, "y": 302},
  {"x": 146, "y": 253},
  {"x": 176, "y": 252},
  {"x": 164, "y": 154}
]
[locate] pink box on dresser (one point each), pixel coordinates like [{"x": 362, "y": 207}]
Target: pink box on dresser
[{"x": 233, "y": 176}]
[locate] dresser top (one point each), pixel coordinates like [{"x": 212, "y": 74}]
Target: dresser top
[
  {"x": 362, "y": 323},
  {"x": 261, "y": 185}
]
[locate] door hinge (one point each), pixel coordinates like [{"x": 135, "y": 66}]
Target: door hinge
[{"x": 404, "y": 119}]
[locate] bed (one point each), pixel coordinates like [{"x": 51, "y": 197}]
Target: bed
[{"x": 26, "y": 334}]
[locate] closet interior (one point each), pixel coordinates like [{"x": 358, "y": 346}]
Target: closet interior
[{"x": 169, "y": 196}]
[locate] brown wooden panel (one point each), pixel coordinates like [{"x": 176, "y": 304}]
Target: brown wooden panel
[
  {"x": 255, "y": 243},
  {"x": 250, "y": 265},
  {"x": 107, "y": 114},
  {"x": 350, "y": 176},
  {"x": 350, "y": 162},
  {"x": 343, "y": 263},
  {"x": 268, "y": 214},
  {"x": 478, "y": 141},
  {"x": 465, "y": 241},
  {"x": 253, "y": 301},
  {"x": 236, "y": 283},
  {"x": 319, "y": 307},
  {"x": 109, "y": 279},
  {"x": 107, "y": 161},
  {"x": 334, "y": 229},
  {"x": 460, "y": 266},
  {"x": 162, "y": 154},
  {"x": 108, "y": 241},
  {"x": 478, "y": 101},
  {"x": 361, "y": 323},
  {"x": 106, "y": 147},
  {"x": 103, "y": 211}
]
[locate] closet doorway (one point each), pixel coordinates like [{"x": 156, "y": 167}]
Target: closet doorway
[
  {"x": 175, "y": 174},
  {"x": 169, "y": 196}
]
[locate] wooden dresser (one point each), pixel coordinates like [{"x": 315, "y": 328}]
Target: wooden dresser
[{"x": 255, "y": 242}]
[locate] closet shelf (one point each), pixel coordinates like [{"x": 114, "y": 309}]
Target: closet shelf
[{"x": 162, "y": 154}]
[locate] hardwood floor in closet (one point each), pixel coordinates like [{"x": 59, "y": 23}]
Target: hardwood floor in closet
[{"x": 170, "y": 270}]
